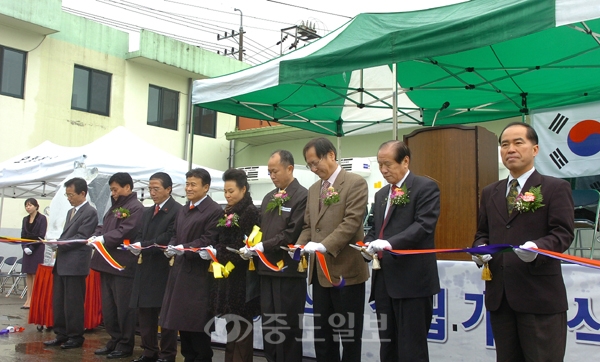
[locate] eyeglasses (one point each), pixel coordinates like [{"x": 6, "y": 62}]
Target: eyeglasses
[
  {"x": 155, "y": 189},
  {"x": 312, "y": 165},
  {"x": 70, "y": 195}
]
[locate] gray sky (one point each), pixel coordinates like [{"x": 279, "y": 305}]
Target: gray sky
[{"x": 198, "y": 22}]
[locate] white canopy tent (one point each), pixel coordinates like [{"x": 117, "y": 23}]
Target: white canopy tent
[{"x": 39, "y": 171}]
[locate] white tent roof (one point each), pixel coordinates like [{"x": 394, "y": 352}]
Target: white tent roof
[{"x": 39, "y": 171}]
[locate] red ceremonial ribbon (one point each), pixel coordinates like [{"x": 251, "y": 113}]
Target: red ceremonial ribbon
[
  {"x": 323, "y": 265},
  {"x": 109, "y": 259}
]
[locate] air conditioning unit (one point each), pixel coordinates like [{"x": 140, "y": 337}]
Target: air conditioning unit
[
  {"x": 256, "y": 174},
  {"x": 358, "y": 165}
]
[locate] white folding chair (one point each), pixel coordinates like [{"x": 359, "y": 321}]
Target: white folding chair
[
  {"x": 4, "y": 276},
  {"x": 17, "y": 276}
]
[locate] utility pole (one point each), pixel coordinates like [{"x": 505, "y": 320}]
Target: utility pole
[{"x": 241, "y": 49}]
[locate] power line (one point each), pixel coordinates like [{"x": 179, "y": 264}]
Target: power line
[
  {"x": 309, "y": 9},
  {"x": 153, "y": 13}
]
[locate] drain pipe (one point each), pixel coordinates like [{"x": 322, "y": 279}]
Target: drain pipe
[
  {"x": 231, "y": 153},
  {"x": 188, "y": 145}
]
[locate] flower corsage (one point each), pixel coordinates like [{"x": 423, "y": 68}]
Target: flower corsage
[
  {"x": 399, "y": 196},
  {"x": 121, "y": 213},
  {"x": 229, "y": 220},
  {"x": 331, "y": 197},
  {"x": 277, "y": 201},
  {"x": 530, "y": 200}
]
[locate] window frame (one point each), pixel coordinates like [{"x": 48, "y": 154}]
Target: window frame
[
  {"x": 23, "y": 73},
  {"x": 198, "y": 130},
  {"x": 91, "y": 72},
  {"x": 160, "y": 115}
]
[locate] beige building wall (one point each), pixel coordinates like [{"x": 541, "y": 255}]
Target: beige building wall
[{"x": 45, "y": 111}]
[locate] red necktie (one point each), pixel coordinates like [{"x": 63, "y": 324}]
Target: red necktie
[
  {"x": 389, "y": 211},
  {"x": 156, "y": 209},
  {"x": 191, "y": 206},
  {"x": 323, "y": 195}
]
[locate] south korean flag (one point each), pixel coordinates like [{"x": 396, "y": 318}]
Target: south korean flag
[{"x": 569, "y": 140}]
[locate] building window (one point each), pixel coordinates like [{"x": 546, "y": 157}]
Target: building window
[
  {"x": 205, "y": 122},
  {"x": 12, "y": 72},
  {"x": 91, "y": 91},
  {"x": 163, "y": 107}
]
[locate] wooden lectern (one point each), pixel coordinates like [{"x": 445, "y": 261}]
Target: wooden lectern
[{"x": 463, "y": 160}]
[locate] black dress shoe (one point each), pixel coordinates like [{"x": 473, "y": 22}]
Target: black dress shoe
[
  {"x": 54, "y": 342},
  {"x": 72, "y": 343},
  {"x": 102, "y": 351},
  {"x": 118, "y": 354},
  {"x": 144, "y": 359}
]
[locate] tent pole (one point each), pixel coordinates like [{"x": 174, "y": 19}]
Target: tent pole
[
  {"x": 395, "y": 103},
  {"x": 339, "y": 150},
  {"x": 1, "y": 206}
]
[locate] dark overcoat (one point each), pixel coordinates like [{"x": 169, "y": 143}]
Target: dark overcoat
[
  {"x": 282, "y": 230},
  {"x": 74, "y": 259},
  {"x": 34, "y": 231},
  {"x": 410, "y": 226},
  {"x": 535, "y": 287},
  {"x": 115, "y": 231},
  {"x": 186, "y": 305},
  {"x": 151, "y": 275},
  {"x": 238, "y": 294}
]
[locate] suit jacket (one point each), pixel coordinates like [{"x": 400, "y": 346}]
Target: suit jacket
[
  {"x": 186, "y": 305},
  {"x": 74, "y": 259},
  {"x": 282, "y": 230},
  {"x": 535, "y": 287},
  {"x": 151, "y": 275},
  {"x": 336, "y": 226},
  {"x": 410, "y": 226},
  {"x": 115, "y": 231}
]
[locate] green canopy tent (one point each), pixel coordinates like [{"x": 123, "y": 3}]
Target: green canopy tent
[{"x": 486, "y": 59}]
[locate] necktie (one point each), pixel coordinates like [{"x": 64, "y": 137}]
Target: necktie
[
  {"x": 156, "y": 209},
  {"x": 72, "y": 214},
  {"x": 389, "y": 212},
  {"x": 191, "y": 206},
  {"x": 323, "y": 195},
  {"x": 512, "y": 195}
]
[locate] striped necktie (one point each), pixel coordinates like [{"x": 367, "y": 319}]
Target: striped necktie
[{"x": 323, "y": 195}]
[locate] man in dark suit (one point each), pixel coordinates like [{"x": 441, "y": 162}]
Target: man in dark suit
[
  {"x": 405, "y": 215},
  {"x": 71, "y": 268},
  {"x": 186, "y": 303},
  {"x": 121, "y": 222},
  {"x": 282, "y": 293},
  {"x": 158, "y": 223},
  {"x": 526, "y": 297},
  {"x": 335, "y": 211}
]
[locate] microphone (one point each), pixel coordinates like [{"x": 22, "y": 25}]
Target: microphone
[{"x": 444, "y": 106}]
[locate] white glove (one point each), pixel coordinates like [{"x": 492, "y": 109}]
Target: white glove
[
  {"x": 205, "y": 255},
  {"x": 27, "y": 251},
  {"x": 258, "y": 247},
  {"x": 177, "y": 249},
  {"x": 169, "y": 253},
  {"x": 378, "y": 245},
  {"x": 133, "y": 250},
  {"x": 311, "y": 247},
  {"x": 526, "y": 253},
  {"x": 481, "y": 259},
  {"x": 245, "y": 253}
]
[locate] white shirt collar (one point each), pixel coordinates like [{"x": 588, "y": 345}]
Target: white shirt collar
[
  {"x": 160, "y": 206},
  {"x": 79, "y": 207},
  {"x": 334, "y": 175},
  {"x": 521, "y": 179}
]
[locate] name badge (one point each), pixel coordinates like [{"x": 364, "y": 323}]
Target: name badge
[{"x": 286, "y": 209}]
